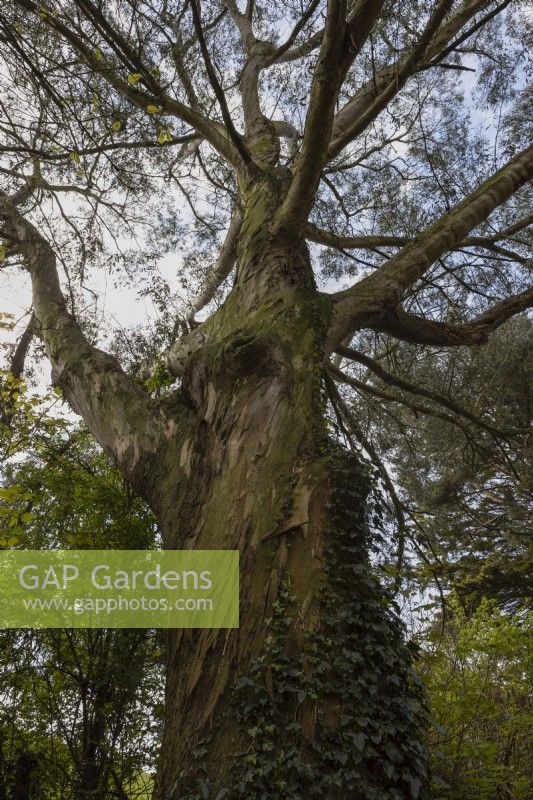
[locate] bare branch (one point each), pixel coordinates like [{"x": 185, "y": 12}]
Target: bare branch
[
  {"x": 398, "y": 80},
  {"x": 277, "y": 56},
  {"x": 367, "y": 388},
  {"x": 367, "y": 445},
  {"x": 217, "y": 88},
  {"x": 509, "y": 232},
  {"x": 223, "y": 266},
  {"x": 243, "y": 22},
  {"x": 385, "y": 76},
  {"x": 393, "y": 380},
  {"x": 116, "y": 410},
  {"x": 412, "y": 328},
  {"x": 18, "y": 358},
  {"x": 370, "y": 242},
  {"x": 340, "y": 242},
  {"x": 301, "y": 50},
  {"x": 341, "y": 43},
  {"x": 373, "y": 298},
  {"x": 467, "y": 34}
]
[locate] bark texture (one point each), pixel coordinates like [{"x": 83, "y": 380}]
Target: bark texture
[{"x": 314, "y": 693}]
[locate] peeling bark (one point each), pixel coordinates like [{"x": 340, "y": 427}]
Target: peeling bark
[{"x": 261, "y": 479}]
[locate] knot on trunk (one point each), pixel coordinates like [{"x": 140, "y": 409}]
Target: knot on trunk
[{"x": 234, "y": 365}]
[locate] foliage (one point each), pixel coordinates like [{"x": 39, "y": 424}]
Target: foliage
[
  {"x": 465, "y": 490},
  {"x": 478, "y": 671},
  {"x": 77, "y": 705}
]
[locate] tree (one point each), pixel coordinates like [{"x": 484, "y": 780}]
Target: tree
[
  {"x": 353, "y": 112},
  {"x": 462, "y": 493},
  {"x": 77, "y": 716},
  {"x": 478, "y": 676}
]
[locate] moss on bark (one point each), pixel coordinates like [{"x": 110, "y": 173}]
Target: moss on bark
[{"x": 292, "y": 702}]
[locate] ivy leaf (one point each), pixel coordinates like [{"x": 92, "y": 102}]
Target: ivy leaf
[
  {"x": 151, "y": 109},
  {"x": 415, "y": 786},
  {"x": 134, "y": 77},
  {"x": 117, "y": 125},
  {"x": 359, "y": 740},
  {"x": 392, "y": 752}
]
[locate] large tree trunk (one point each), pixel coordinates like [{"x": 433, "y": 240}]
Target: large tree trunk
[{"x": 314, "y": 694}]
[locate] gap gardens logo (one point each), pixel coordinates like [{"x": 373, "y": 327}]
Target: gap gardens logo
[{"x": 119, "y": 589}]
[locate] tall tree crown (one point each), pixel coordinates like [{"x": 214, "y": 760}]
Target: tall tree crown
[{"x": 381, "y": 148}]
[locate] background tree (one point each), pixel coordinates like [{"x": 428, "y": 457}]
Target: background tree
[
  {"x": 78, "y": 706},
  {"x": 462, "y": 493},
  {"x": 331, "y": 125},
  {"x": 478, "y": 672}
]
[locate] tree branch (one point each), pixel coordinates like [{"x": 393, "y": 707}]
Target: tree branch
[
  {"x": 467, "y": 34},
  {"x": 217, "y": 88},
  {"x": 46, "y": 155},
  {"x": 370, "y": 242},
  {"x": 371, "y": 300},
  {"x": 339, "y": 242},
  {"x": 117, "y": 411},
  {"x": 223, "y": 266},
  {"x": 418, "y": 330},
  {"x": 353, "y": 110},
  {"x": 367, "y": 445},
  {"x": 394, "y": 380},
  {"x": 341, "y": 43},
  {"x": 283, "y": 49},
  {"x": 18, "y": 357},
  {"x": 399, "y": 80},
  {"x": 367, "y": 388},
  {"x": 206, "y": 127}
]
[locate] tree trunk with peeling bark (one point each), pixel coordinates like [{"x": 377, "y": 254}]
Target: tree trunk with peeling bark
[
  {"x": 275, "y": 709},
  {"x": 314, "y": 694}
]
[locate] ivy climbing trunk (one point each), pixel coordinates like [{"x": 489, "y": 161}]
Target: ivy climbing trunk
[{"x": 314, "y": 694}]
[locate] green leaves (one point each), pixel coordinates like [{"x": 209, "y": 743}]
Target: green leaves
[
  {"x": 355, "y": 661},
  {"x": 164, "y": 135},
  {"x": 134, "y": 77},
  {"x": 475, "y": 669}
]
